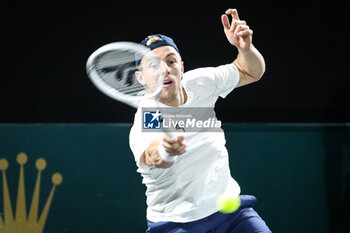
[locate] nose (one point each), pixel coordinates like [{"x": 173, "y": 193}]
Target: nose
[{"x": 163, "y": 67}]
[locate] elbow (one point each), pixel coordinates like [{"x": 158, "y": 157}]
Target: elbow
[
  {"x": 252, "y": 73},
  {"x": 258, "y": 75},
  {"x": 263, "y": 68}
]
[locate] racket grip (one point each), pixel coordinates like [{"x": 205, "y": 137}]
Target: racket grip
[{"x": 165, "y": 157}]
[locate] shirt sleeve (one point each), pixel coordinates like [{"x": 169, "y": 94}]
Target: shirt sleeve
[
  {"x": 136, "y": 142},
  {"x": 139, "y": 141},
  {"x": 227, "y": 78}
]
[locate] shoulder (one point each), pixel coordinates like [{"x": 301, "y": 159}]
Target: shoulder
[
  {"x": 135, "y": 127},
  {"x": 212, "y": 75},
  {"x": 217, "y": 81},
  {"x": 198, "y": 72},
  {"x": 199, "y": 76},
  {"x": 227, "y": 69}
]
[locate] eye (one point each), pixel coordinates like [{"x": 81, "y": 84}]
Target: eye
[
  {"x": 153, "y": 65},
  {"x": 172, "y": 61}
]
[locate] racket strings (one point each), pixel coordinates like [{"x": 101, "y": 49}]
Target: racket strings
[
  {"x": 124, "y": 83},
  {"x": 116, "y": 70}
]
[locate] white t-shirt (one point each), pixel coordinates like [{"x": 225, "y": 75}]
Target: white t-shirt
[{"x": 187, "y": 191}]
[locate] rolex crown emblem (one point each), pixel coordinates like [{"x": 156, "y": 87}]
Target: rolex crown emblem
[{"x": 20, "y": 222}]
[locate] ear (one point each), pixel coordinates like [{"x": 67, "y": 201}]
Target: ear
[
  {"x": 139, "y": 77},
  {"x": 182, "y": 68}
]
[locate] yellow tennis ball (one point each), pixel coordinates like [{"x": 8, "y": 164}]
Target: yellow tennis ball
[{"x": 228, "y": 204}]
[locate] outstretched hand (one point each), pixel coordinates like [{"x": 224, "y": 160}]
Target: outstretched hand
[
  {"x": 238, "y": 32},
  {"x": 174, "y": 146}
]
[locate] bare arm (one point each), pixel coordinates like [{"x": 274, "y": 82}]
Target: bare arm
[
  {"x": 151, "y": 156},
  {"x": 249, "y": 61}
]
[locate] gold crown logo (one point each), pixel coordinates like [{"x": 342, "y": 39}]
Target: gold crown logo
[{"x": 22, "y": 223}]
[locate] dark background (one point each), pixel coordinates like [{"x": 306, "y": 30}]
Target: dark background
[{"x": 45, "y": 47}]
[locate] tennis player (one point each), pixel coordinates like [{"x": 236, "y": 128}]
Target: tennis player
[{"x": 185, "y": 175}]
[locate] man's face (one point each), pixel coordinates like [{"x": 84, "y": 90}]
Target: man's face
[{"x": 170, "y": 66}]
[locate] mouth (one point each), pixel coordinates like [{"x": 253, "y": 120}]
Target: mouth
[{"x": 167, "y": 83}]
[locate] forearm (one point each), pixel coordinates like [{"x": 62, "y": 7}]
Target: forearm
[{"x": 251, "y": 63}]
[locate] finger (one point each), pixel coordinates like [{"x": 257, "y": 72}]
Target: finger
[
  {"x": 242, "y": 22},
  {"x": 166, "y": 145},
  {"x": 225, "y": 22},
  {"x": 236, "y": 23},
  {"x": 182, "y": 151},
  {"x": 234, "y": 14},
  {"x": 180, "y": 138},
  {"x": 228, "y": 11},
  {"x": 170, "y": 151},
  {"x": 176, "y": 146},
  {"x": 180, "y": 148},
  {"x": 184, "y": 143},
  {"x": 247, "y": 32},
  {"x": 179, "y": 144},
  {"x": 168, "y": 139},
  {"x": 242, "y": 28},
  {"x": 176, "y": 150}
]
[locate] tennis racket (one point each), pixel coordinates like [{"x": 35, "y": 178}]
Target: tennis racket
[{"x": 112, "y": 67}]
